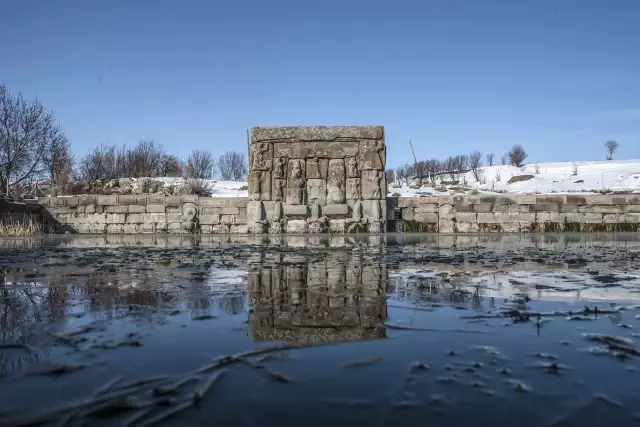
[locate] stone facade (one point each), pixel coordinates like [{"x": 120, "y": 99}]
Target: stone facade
[
  {"x": 317, "y": 179},
  {"x": 131, "y": 214}
]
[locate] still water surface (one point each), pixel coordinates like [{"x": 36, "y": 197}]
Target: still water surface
[{"x": 537, "y": 330}]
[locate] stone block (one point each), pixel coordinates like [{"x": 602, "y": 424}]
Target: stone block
[
  {"x": 317, "y": 190},
  {"x": 632, "y": 209},
  {"x": 465, "y": 216},
  {"x": 260, "y": 185},
  {"x": 336, "y": 182},
  {"x": 591, "y": 218},
  {"x": 90, "y": 209},
  {"x": 336, "y": 209},
  {"x": 296, "y": 210},
  {"x": 190, "y": 198},
  {"x": 134, "y": 218},
  {"x": 227, "y": 219},
  {"x": 230, "y": 210},
  {"x": 544, "y": 207},
  {"x": 127, "y": 199},
  {"x": 316, "y": 133},
  {"x": 115, "y": 218},
  {"x": 239, "y": 229},
  {"x": 241, "y": 216},
  {"x": 120, "y": 209},
  {"x": 156, "y": 209},
  {"x": 375, "y": 210},
  {"x": 632, "y": 218},
  {"x": 598, "y": 199},
  {"x": 44, "y": 201},
  {"x": 483, "y": 207},
  {"x": 209, "y": 219},
  {"x": 95, "y": 218},
  {"x": 210, "y": 202},
  {"x": 569, "y": 208},
  {"x": 603, "y": 209},
  {"x": 526, "y": 199},
  {"x": 576, "y": 200},
  {"x": 236, "y": 202},
  {"x": 173, "y": 201},
  {"x": 135, "y": 209},
  {"x": 108, "y": 200},
  {"x": 466, "y": 227},
  {"x": 446, "y": 226},
  {"x": 542, "y": 217},
  {"x": 373, "y": 185},
  {"x": 298, "y": 226},
  {"x": 445, "y": 211},
  {"x": 210, "y": 210},
  {"x": 407, "y": 214},
  {"x": 409, "y": 202},
  {"x": 338, "y": 225},
  {"x": 462, "y": 206},
  {"x": 155, "y": 200},
  {"x": 613, "y": 218},
  {"x": 261, "y": 156},
  {"x": 72, "y": 201},
  {"x": 426, "y": 217},
  {"x": 133, "y": 228},
  {"x": 325, "y": 150},
  {"x": 427, "y": 207},
  {"x": 115, "y": 228},
  {"x": 559, "y": 198},
  {"x": 57, "y": 201},
  {"x": 255, "y": 212},
  {"x": 155, "y": 217}
]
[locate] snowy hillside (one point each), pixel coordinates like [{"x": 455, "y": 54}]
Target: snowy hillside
[{"x": 591, "y": 177}]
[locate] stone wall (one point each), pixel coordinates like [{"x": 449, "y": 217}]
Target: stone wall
[
  {"x": 443, "y": 214},
  {"x": 145, "y": 214},
  {"x": 516, "y": 214},
  {"x": 317, "y": 179}
]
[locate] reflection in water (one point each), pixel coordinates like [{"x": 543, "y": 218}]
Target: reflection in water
[{"x": 337, "y": 298}]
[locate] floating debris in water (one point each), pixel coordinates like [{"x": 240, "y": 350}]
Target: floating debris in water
[
  {"x": 419, "y": 366},
  {"x": 519, "y": 386},
  {"x": 625, "y": 326},
  {"x": 547, "y": 356},
  {"x": 204, "y": 317},
  {"x": 606, "y": 339},
  {"x": 446, "y": 380},
  {"x": 363, "y": 362},
  {"x": 60, "y": 369},
  {"x": 604, "y": 398},
  {"x": 352, "y": 402},
  {"x": 201, "y": 390},
  {"x": 578, "y": 317}
]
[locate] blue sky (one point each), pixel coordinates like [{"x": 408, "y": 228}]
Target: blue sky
[{"x": 559, "y": 77}]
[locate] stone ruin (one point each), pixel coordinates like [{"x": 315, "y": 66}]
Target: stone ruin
[{"x": 317, "y": 179}]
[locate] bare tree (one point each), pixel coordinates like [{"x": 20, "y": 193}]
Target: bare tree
[
  {"x": 58, "y": 161},
  {"x": 403, "y": 173},
  {"x": 390, "y": 175},
  {"x": 26, "y": 134},
  {"x": 574, "y": 168},
  {"x": 145, "y": 160},
  {"x": 517, "y": 155},
  {"x": 171, "y": 166},
  {"x": 612, "y": 147},
  {"x": 232, "y": 165},
  {"x": 100, "y": 163},
  {"x": 503, "y": 160},
  {"x": 490, "y": 159},
  {"x": 475, "y": 163},
  {"x": 201, "y": 165}
]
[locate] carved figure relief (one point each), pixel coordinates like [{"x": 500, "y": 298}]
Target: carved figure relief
[
  {"x": 352, "y": 167},
  {"x": 313, "y": 168},
  {"x": 373, "y": 156},
  {"x": 353, "y": 188},
  {"x": 261, "y": 156},
  {"x": 279, "y": 168},
  {"x": 279, "y": 186},
  {"x": 336, "y": 182},
  {"x": 296, "y": 183}
]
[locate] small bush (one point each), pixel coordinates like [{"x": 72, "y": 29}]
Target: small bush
[
  {"x": 27, "y": 227},
  {"x": 537, "y": 166},
  {"x": 498, "y": 176},
  {"x": 200, "y": 187},
  {"x": 574, "y": 167}
]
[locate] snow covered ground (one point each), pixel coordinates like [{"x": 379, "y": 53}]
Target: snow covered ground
[{"x": 591, "y": 177}]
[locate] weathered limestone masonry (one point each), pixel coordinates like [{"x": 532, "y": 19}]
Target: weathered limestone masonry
[
  {"x": 144, "y": 214},
  {"x": 516, "y": 213},
  {"x": 443, "y": 214},
  {"x": 317, "y": 179}
]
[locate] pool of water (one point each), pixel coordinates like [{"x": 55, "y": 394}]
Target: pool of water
[{"x": 539, "y": 330}]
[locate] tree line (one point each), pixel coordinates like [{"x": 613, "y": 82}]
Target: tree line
[{"x": 33, "y": 146}]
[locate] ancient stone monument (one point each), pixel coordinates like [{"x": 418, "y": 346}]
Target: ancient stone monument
[{"x": 317, "y": 179}]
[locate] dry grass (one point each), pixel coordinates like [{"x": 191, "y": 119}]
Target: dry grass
[{"x": 26, "y": 227}]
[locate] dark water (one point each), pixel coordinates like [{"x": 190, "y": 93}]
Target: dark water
[{"x": 381, "y": 330}]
